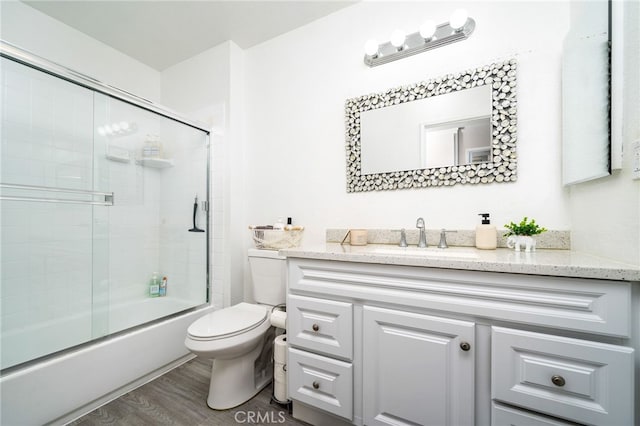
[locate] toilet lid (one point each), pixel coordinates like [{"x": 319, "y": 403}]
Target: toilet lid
[{"x": 228, "y": 322}]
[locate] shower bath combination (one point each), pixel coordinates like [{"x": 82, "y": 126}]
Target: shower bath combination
[{"x": 85, "y": 222}]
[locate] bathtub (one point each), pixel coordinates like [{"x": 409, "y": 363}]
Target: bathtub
[{"x": 64, "y": 387}]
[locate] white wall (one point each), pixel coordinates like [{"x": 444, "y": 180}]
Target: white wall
[
  {"x": 38, "y": 33},
  {"x": 605, "y": 213},
  {"x": 237, "y": 195},
  {"x": 297, "y": 84}
]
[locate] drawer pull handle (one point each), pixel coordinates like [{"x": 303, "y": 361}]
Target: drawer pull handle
[
  {"x": 465, "y": 346},
  {"x": 315, "y": 327},
  {"x": 316, "y": 385},
  {"x": 557, "y": 380}
]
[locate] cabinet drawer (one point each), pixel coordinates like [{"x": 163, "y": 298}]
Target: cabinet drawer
[
  {"x": 502, "y": 415},
  {"x": 578, "y": 380},
  {"x": 321, "y": 382},
  {"x": 320, "y": 325}
]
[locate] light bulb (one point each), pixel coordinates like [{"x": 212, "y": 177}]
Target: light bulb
[
  {"x": 428, "y": 29},
  {"x": 458, "y": 19},
  {"x": 371, "y": 47},
  {"x": 397, "y": 39}
]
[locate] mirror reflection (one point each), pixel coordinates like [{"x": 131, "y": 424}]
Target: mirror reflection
[
  {"x": 446, "y": 130},
  {"x": 586, "y": 93}
]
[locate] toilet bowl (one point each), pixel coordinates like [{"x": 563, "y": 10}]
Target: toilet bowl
[
  {"x": 239, "y": 339},
  {"x": 236, "y": 338}
]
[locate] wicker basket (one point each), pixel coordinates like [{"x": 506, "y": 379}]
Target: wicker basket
[{"x": 275, "y": 239}]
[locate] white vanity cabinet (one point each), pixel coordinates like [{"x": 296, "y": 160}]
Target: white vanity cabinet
[{"x": 374, "y": 344}]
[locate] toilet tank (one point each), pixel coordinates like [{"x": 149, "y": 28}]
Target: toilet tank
[{"x": 267, "y": 276}]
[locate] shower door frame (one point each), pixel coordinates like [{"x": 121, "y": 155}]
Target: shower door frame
[
  {"x": 15, "y": 53},
  {"x": 24, "y": 57}
]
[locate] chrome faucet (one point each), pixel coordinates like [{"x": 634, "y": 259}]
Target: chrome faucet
[
  {"x": 422, "y": 242},
  {"x": 443, "y": 239},
  {"x": 403, "y": 238}
]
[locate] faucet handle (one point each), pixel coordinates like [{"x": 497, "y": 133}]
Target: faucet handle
[
  {"x": 403, "y": 238},
  {"x": 443, "y": 238}
]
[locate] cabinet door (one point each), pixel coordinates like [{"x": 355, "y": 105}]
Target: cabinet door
[{"x": 417, "y": 369}]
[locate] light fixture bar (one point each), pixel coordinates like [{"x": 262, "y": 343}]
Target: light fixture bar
[{"x": 415, "y": 43}]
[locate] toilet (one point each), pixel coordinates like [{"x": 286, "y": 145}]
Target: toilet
[{"x": 239, "y": 338}]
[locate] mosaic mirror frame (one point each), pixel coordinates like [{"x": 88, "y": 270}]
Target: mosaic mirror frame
[{"x": 501, "y": 168}]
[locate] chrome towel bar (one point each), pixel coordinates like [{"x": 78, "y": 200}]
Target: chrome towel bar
[{"x": 108, "y": 196}]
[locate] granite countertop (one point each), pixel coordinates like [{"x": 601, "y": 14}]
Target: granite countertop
[{"x": 565, "y": 263}]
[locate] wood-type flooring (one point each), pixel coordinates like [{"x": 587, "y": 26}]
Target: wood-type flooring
[{"x": 179, "y": 398}]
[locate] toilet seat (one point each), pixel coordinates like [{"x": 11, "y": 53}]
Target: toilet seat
[{"x": 228, "y": 322}]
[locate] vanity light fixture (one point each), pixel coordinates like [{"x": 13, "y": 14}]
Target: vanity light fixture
[
  {"x": 397, "y": 39},
  {"x": 430, "y": 36}
]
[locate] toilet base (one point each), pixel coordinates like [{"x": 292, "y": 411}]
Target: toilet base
[{"x": 235, "y": 381}]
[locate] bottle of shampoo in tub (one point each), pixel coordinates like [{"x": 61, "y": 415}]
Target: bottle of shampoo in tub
[
  {"x": 486, "y": 234},
  {"x": 154, "y": 285},
  {"x": 163, "y": 287}
]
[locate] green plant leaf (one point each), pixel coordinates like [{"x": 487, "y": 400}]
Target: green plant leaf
[{"x": 525, "y": 227}]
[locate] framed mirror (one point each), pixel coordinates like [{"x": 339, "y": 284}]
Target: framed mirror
[{"x": 455, "y": 129}]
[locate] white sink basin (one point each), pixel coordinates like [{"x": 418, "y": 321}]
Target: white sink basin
[{"x": 427, "y": 252}]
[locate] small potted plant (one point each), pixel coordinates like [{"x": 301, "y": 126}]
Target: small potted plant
[{"x": 521, "y": 234}]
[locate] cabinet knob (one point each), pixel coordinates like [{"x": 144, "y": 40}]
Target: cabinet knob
[
  {"x": 465, "y": 346},
  {"x": 557, "y": 380},
  {"x": 315, "y": 327},
  {"x": 316, "y": 385}
]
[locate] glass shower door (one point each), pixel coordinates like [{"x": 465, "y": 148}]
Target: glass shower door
[
  {"x": 46, "y": 213},
  {"x": 97, "y": 196},
  {"x": 156, "y": 167}
]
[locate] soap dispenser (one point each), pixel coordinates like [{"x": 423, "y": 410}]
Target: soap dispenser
[{"x": 486, "y": 234}]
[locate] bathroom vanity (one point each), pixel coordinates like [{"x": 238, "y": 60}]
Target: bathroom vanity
[{"x": 381, "y": 335}]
